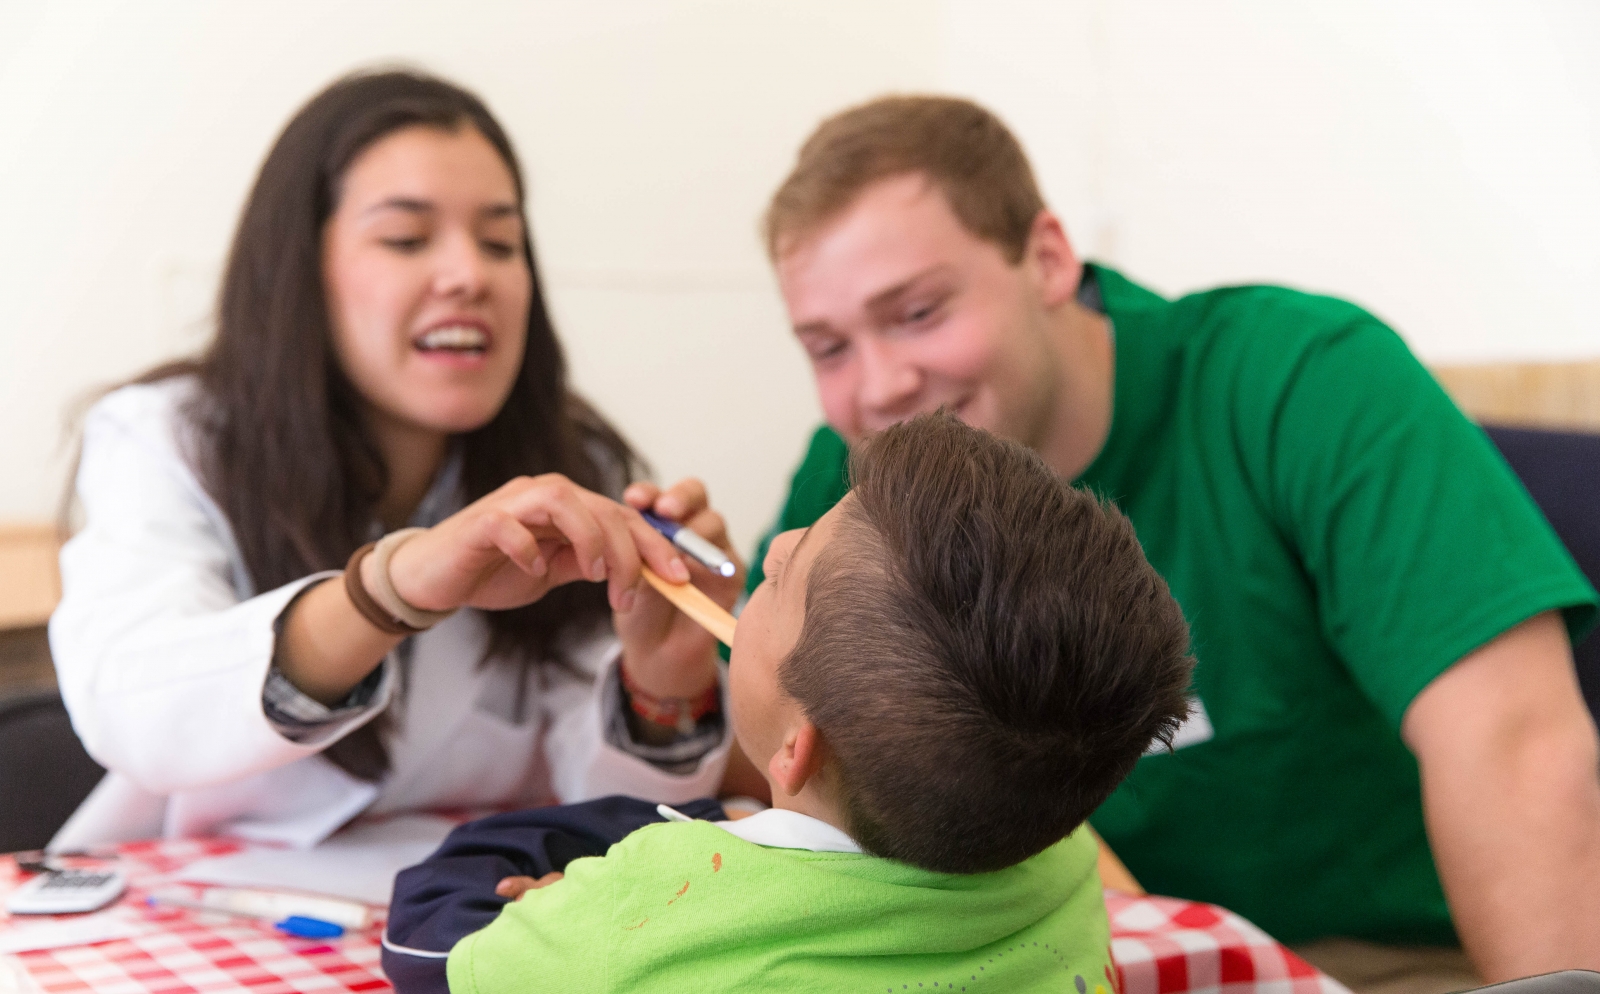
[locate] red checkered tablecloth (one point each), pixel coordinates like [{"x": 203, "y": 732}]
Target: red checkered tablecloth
[
  {"x": 1161, "y": 946},
  {"x": 179, "y": 951}
]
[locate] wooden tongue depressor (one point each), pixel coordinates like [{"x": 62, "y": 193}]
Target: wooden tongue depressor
[
  {"x": 686, "y": 597},
  {"x": 702, "y": 610}
]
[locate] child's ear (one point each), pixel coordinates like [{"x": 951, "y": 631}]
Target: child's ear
[{"x": 798, "y": 759}]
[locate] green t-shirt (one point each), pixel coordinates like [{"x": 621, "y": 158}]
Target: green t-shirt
[
  {"x": 1338, "y": 535},
  {"x": 689, "y": 907}
]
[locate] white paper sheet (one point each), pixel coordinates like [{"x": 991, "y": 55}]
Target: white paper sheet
[
  {"x": 21, "y": 935},
  {"x": 358, "y": 863},
  {"x": 14, "y": 979}
]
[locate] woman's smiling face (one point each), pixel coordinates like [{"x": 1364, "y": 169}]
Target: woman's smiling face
[{"x": 428, "y": 285}]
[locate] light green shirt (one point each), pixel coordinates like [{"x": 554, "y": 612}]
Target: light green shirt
[{"x": 689, "y": 906}]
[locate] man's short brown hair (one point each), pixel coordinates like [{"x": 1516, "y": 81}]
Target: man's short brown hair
[
  {"x": 963, "y": 149},
  {"x": 985, "y": 651}
]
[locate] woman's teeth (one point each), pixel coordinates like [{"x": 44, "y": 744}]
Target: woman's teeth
[{"x": 456, "y": 338}]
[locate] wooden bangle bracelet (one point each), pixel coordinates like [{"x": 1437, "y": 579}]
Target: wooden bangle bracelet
[
  {"x": 369, "y": 609},
  {"x": 383, "y": 591}
]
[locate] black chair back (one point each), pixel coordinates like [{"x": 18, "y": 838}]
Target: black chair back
[
  {"x": 1562, "y": 471},
  {"x": 44, "y": 772}
]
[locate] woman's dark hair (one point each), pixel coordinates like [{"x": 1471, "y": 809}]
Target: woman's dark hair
[
  {"x": 985, "y": 649},
  {"x": 279, "y": 439}
]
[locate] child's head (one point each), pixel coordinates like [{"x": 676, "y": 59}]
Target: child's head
[{"x": 962, "y": 659}]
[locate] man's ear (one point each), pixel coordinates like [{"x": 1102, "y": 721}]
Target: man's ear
[
  {"x": 798, "y": 759},
  {"x": 1053, "y": 260}
]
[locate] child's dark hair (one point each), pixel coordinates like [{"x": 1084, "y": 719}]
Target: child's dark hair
[{"x": 986, "y": 652}]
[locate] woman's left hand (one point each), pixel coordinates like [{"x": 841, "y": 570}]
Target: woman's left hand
[{"x": 665, "y": 653}]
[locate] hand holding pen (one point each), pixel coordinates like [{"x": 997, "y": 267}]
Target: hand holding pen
[
  {"x": 683, "y": 515},
  {"x": 665, "y": 653}
]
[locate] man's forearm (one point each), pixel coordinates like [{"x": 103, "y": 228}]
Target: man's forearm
[
  {"x": 1511, "y": 792},
  {"x": 1520, "y": 862}
]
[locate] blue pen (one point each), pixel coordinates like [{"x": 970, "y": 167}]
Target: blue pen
[
  {"x": 708, "y": 555},
  {"x": 300, "y": 926}
]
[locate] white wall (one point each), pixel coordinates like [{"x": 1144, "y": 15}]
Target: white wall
[
  {"x": 651, "y": 132},
  {"x": 1438, "y": 162}
]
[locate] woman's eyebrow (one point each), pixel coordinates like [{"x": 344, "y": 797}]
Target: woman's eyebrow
[
  {"x": 413, "y": 205},
  {"x": 409, "y": 204}
]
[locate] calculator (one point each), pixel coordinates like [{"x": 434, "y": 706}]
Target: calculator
[{"x": 63, "y": 892}]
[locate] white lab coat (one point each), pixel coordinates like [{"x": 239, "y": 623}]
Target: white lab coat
[{"x": 162, "y": 648}]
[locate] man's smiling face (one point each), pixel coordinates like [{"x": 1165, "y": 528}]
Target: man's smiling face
[{"x": 902, "y": 310}]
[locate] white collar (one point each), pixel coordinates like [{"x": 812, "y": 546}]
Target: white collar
[{"x": 780, "y": 829}]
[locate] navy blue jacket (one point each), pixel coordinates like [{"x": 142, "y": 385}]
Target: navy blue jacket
[{"x": 451, "y": 894}]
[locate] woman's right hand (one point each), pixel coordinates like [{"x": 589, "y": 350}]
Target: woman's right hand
[{"x": 511, "y": 547}]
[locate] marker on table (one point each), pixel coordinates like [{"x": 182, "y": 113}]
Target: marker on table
[
  {"x": 708, "y": 555},
  {"x": 291, "y": 914}
]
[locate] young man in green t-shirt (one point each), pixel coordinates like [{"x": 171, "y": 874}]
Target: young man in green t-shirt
[
  {"x": 940, "y": 678},
  {"x": 1388, "y": 741}
]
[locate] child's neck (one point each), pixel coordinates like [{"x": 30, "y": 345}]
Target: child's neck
[{"x": 813, "y": 802}]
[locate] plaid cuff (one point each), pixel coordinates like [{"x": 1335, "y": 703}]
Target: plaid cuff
[
  {"x": 303, "y": 719},
  {"x": 683, "y": 754}
]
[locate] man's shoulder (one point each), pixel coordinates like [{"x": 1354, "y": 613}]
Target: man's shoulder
[
  {"x": 1257, "y": 340},
  {"x": 1247, "y": 334},
  {"x": 1122, "y": 294},
  {"x": 1261, "y": 318}
]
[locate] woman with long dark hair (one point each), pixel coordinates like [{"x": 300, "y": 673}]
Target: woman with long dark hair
[{"x": 232, "y": 644}]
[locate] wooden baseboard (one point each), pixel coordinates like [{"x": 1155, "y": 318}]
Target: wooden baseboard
[
  {"x": 1555, "y": 395},
  {"x": 30, "y": 578}
]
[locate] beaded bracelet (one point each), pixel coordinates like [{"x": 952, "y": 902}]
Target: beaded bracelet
[{"x": 681, "y": 713}]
